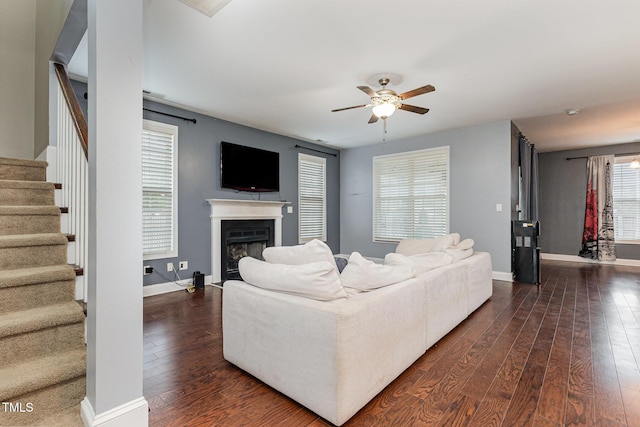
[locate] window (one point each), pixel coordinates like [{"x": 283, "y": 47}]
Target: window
[
  {"x": 626, "y": 201},
  {"x": 159, "y": 190},
  {"x": 312, "y": 198},
  {"x": 411, "y": 195}
]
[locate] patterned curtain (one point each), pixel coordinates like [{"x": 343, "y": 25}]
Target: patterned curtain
[{"x": 598, "y": 239}]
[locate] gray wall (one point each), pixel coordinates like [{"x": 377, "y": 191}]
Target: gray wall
[
  {"x": 563, "y": 185},
  {"x": 480, "y": 167},
  {"x": 199, "y": 179}
]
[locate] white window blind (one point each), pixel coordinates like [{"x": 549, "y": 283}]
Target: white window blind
[
  {"x": 159, "y": 190},
  {"x": 626, "y": 201},
  {"x": 312, "y": 198},
  {"x": 411, "y": 195}
]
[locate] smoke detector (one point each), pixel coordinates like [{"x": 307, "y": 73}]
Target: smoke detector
[{"x": 206, "y": 7}]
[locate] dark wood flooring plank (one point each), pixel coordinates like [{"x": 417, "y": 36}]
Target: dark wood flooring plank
[
  {"x": 525, "y": 399},
  {"x": 497, "y": 401},
  {"x": 609, "y": 404}
]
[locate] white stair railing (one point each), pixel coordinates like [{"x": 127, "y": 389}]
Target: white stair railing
[{"x": 72, "y": 171}]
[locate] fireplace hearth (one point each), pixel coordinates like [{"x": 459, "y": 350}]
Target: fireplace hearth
[{"x": 242, "y": 238}]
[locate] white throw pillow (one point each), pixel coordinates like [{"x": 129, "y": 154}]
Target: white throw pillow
[
  {"x": 415, "y": 246},
  {"x": 419, "y": 263},
  {"x": 317, "y": 280},
  {"x": 465, "y": 244},
  {"x": 312, "y": 251},
  {"x": 460, "y": 251},
  {"x": 422, "y": 246},
  {"x": 364, "y": 275}
]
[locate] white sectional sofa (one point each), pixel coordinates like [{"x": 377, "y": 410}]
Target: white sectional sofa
[{"x": 334, "y": 355}]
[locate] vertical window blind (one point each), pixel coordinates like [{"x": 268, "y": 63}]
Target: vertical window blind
[
  {"x": 159, "y": 190},
  {"x": 626, "y": 200},
  {"x": 411, "y": 195},
  {"x": 312, "y": 198}
]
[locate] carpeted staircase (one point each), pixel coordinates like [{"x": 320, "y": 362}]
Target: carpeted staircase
[{"x": 42, "y": 348}]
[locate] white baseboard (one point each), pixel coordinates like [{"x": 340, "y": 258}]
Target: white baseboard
[
  {"x": 502, "y": 276},
  {"x": 164, "y": 288},
  {"x": 576, "y": 258},
  {"x": 131, "y": 414}
]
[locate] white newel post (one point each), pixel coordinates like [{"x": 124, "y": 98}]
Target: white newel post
[{"x": 225, "y": 209}]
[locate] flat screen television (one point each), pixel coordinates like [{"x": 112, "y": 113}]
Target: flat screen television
[{"x": 245, "y": 168}]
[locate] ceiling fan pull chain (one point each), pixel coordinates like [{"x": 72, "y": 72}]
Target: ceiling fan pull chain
[{"x": 384, "y": 129}]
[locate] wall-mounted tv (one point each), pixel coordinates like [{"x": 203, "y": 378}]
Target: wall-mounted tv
[{"x": 245, "y": 168}]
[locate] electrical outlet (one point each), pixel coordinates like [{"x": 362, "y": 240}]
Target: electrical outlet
[
  {"x": 169, "y": 266},
  {"x": 147, "y": 270},
  {"x": 183, "y": 265}
]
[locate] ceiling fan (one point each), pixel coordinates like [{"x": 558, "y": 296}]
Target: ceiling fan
[{"x": 386, "y": 101}]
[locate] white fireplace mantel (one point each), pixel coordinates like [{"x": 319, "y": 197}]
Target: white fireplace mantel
[{"x": 227, "y": 209}]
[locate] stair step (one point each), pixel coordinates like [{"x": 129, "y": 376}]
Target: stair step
[
  {"x": 27, "y": 288},
  {"x": 69, "y": 417},
  {"x": 37, "y": 332},
  {"x": 50, "y": 383},
  {"x": 32, "y": 250},
  {"x": 22, "y": 169},
  {"x": 32, "y": 375},
  {"x": 25, "y": 321},
  {"x": 29, "y": 219},
  {"x": 26, "y": 193}
]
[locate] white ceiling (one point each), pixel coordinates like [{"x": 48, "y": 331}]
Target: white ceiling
[{"x": 283, "y": 65}]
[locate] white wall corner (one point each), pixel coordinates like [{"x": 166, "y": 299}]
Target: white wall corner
[
  {"x": 502, "y": 276},
  {"x": 130, "y": 414},
  {"x": 49, "y": 155}
]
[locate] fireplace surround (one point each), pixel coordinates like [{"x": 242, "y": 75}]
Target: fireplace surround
[{"x": 238, "y": 210}]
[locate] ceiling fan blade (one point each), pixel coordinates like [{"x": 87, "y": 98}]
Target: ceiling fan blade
[
  {"x": 349, "y": 108},
  {"x": 414, "y": 109},
  {"x": 368, "y": 91},
  {"x": 373, "y": 119},
  {"x": 416, "y": 92}
]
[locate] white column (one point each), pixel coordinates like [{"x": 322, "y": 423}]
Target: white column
[{"x": 114, "y": 306}]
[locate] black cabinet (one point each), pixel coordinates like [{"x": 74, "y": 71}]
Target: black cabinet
[{"x": 526, "y": 253}]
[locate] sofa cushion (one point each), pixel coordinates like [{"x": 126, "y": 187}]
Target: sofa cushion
[
  {"x": 365, "y": 275},
  {"x": 422, "y": 246},
  {"x": 312, "y": 251},
  {"x": 419, "y": 263},
  {"x": 317, "y": 280}
]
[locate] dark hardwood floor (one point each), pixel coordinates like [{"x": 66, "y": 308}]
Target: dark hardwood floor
[{"x": 564, "y": 353}]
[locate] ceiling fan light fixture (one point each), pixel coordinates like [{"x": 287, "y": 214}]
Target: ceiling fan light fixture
[
  {"x": 385, "y": 104},
  {"x": 384, "y": 110}
]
